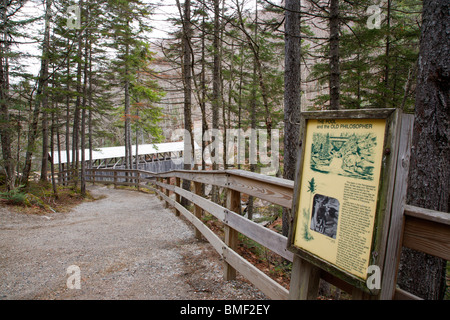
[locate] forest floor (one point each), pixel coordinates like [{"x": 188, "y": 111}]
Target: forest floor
[{"x": 126, "y": 245}]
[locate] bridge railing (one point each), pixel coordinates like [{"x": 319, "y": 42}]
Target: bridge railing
[{"x": 424, "y": 230}]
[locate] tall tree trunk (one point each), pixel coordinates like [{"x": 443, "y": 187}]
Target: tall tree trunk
[
  {"x": 83, "y": 113},
  {"x": 77, "y": 111},
  {"x": 127, "y": 113},
  {"x": 203, "y": 95},
  {"x": 90, "y": 129},
  {"x": 5, "y": 125},
  {"x": 335, "y": 86},
  {"x": 292, "y": 97},
  {"x": 252, "y": 154},
  {"x": 41, "y": 85},
  {"x": 52, "y": 150},
  {"x": 187, "y": 85},
  {"x": 44, "y": 158},
  {"x": 216, "y": 95},
  {"x": 387, "y": 53},
  {"x": 429, "y": 179},
  {"x": 68, "y": 114}
]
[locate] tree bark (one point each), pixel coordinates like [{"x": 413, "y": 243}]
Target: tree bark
[
  {"x": 292, "y": 97},
  {"x": 41, "y": 85},
  {"x": 5, "y": 126},
  {"x": 335, "y": 85},
  {"x": 83, "y": 114},
  {"x": 187, "y": 86},
  {"x": 127, "y": 112},
  {"x": 429, "y": 177}
]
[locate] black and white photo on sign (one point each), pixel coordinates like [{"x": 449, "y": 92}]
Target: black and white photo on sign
[{"x": 325, "y": 215}]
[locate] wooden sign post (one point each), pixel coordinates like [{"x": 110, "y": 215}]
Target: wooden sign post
[{"x": 342, "y": 198}]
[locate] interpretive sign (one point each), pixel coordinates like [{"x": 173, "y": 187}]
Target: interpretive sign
[{"x": 339, "y": 201}]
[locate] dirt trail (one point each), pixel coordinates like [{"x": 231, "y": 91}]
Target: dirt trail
[{"x": 126, "y": 245}]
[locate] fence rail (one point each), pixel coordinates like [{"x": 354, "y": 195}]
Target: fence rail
[{"x": 424, "y": 230}]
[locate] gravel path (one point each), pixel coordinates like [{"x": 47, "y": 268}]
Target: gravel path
[{"x": 126, "y": 245}]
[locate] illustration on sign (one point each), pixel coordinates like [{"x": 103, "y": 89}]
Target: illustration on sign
[
  {"x": 349, "y": 154},
  {"x": 339, "y": 188}
]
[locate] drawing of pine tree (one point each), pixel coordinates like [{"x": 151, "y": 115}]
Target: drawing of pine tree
[{"x": 312, "y": 187}]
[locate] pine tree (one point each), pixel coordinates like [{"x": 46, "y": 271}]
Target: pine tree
[{"x": 126, "y": 27}]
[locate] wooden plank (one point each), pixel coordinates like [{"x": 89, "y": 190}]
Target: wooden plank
[
  {"x": 429, "y": 215},
  {"x": 264, "y": 236},
  {"x": 427, "y": 236},
  {"x": 305, "y": 279},
  {"x": 404, "y": 295},
  {"x": 197, "y": 209},
  {"x": 231, "y": 235},
  {"x": 166, "y": 205},
  {"x": 210, "y": 236},
  {"x": 289, "y": 184},
  {"x": 113, "y": 170},
  {"x": 269, "y": 192},
  {"x": 385, "y": 203},
  {"x": 276, "y": 190},
  {"x": 102, "y": 182},
  {"x": 357, "y": 114},
  {"x": 218, "y": 177},
  {"x": 394, "y": 242},
  {"x": 177, "y": 196},
  {"x": 263, "y": 282}
]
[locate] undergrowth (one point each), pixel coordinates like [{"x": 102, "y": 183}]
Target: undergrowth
[{"x": 39, "y": 198}]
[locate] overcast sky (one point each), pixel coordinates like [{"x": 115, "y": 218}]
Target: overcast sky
[{"x": 165, "y": 9}]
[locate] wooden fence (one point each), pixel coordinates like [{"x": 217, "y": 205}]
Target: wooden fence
[{"x": 420, "y": 229}]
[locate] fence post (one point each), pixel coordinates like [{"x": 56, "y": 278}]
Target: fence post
[
  {"x": 231, "y": 235},
  {"x": 93, "y": 173},
  {"x": 177, "y": 196},
  {"x": 197, "y": 209},
  {"x": 305, "y": 280},
  {"x": 138, "y": 180},
  {"x": 115, "y": 179},
  {"x": 394, "y": 244},
  {"x": 167, "y": 193},
  {"x": 159, "y": 187}
]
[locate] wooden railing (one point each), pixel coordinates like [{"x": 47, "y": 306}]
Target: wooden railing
[{"x": 424, "y": 230}]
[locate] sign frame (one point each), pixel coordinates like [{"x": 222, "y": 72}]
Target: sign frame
[{"x": 392, "y": 118}]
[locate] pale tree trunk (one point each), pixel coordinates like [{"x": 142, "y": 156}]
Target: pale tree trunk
[
  {"x": 127, "y": 111},
  {"x": 253, "y": 165},
  {"x": 187, "y": 85},
  {"x": 5, "y": 126},
  {"x": 83, "y": 117},
  {"x": 76, "y": 118},
  {"x": 41, "y": 89},
  {"x": 429, "y": 177},
  {"x": 216, "y": 94},
  {"x": 69, "y": 159},
  {"x": 44, "y": 158}
]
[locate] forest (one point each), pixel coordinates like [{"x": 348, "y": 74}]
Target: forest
[
  {"x": 80, "y": 75},
  {"x": 103, "y": 80}
]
